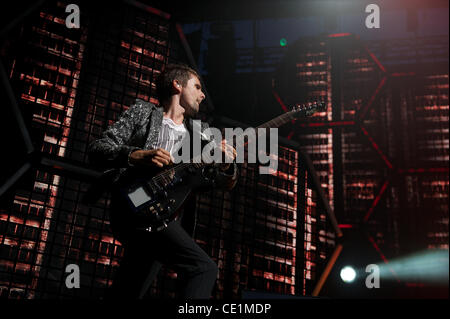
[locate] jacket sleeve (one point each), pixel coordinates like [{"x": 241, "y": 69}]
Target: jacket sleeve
[
  {"x": 227, "y": 179},
  {"x": 113, "y": 148}
]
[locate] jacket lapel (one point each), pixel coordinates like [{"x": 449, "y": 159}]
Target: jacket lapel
[{"x": 155, "y": 125}]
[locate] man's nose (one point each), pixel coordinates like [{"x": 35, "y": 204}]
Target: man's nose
[{"x": 203, "y": 96}]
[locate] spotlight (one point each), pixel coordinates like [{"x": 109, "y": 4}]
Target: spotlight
[{"x": 348, "y": 274}]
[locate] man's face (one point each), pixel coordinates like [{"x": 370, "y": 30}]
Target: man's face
[{"x": 191, "y": 95}]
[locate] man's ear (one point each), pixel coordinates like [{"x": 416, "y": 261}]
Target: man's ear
[{"x": 176, "y": 86}]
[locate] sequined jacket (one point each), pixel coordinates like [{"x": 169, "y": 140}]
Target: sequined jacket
[{"x": 138, "y": 128}]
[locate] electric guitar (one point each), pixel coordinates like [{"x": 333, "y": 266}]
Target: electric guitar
[{"x": 154, "y": 198}]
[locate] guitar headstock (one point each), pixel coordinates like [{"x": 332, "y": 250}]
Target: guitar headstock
[{"x": 307, "y": 109}]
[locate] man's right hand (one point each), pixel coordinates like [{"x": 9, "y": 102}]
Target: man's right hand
[{"x": 151, "y": 158}]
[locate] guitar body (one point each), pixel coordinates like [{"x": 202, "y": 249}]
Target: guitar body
[{"x": 149, "y": 199}]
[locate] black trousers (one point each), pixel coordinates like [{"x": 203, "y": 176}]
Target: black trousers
[{"x": 146, "y": 252}]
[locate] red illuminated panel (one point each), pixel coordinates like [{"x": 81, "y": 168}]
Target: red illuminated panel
[
  {"x": 46, "y": 226},
  {"x": 283, "y": 185},
  {"x": 318, "y": 239},
  {"x": 50, "y": 87},
  {"x": 263, "y": 229}
]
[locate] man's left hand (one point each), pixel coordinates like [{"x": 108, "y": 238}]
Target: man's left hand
[{"x": 230, "y": 154}]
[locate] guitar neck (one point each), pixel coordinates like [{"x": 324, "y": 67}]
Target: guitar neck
[{"x": 278, "y": 121}]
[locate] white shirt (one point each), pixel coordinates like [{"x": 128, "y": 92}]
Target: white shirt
[{"x": 170, "y": 136}]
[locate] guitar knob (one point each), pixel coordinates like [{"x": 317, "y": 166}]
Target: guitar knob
[{"x": 172, "y": 201}]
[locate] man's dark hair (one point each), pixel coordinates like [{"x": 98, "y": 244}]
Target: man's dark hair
[{"x": 180, "y": 72}]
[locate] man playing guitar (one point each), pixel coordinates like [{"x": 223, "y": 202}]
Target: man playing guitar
[{"x": 145, "y": 138}]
